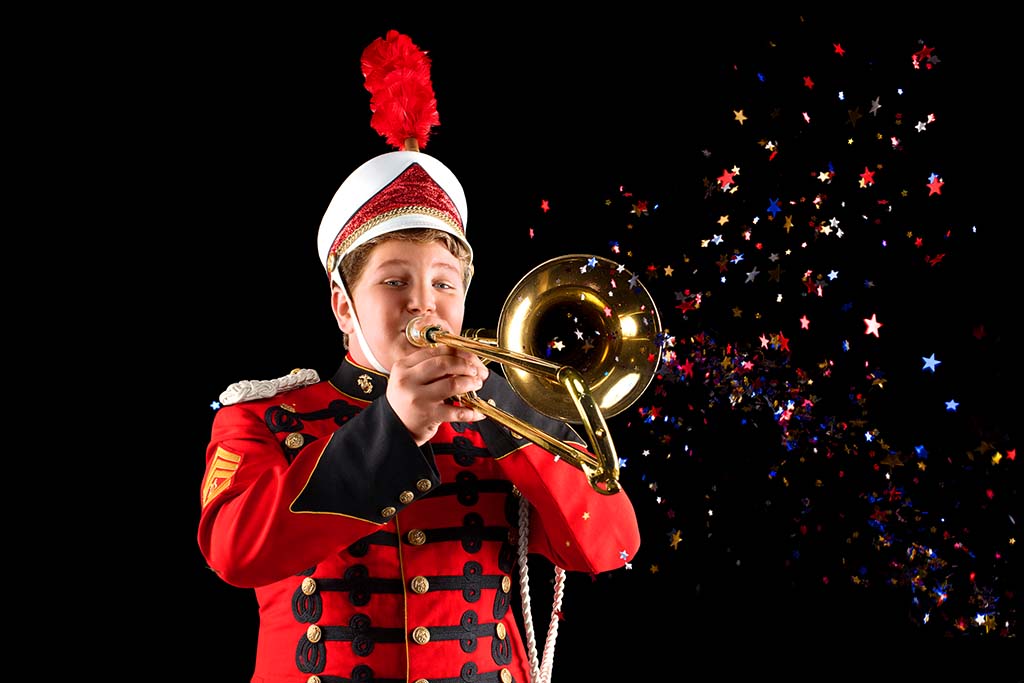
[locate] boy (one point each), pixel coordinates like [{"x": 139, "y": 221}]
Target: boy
[{"x": 376, "y": 518}]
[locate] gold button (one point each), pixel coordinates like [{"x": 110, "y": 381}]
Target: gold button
[
  {"x": 406, "y": 497},
  {"x": 420, "y": 585},
  {"x": 500, "y": 629},
  {"x": 421, "y": 635},
  {"x": 506, "y": 676},
  {"x": 423, "y": 485},
  {"x": 506, "y": 583},
  {"x": 313, "y": 633},
  {"x": 313, "y": 679},
  {"x": 285, "y": 406},
  {"x": 294, "y": 440},
  {"x": 416, "y": 537},
  {"x": 388, "y": 512},
  {"x": 308, "y": 586},
  {"x": 421, "y": 680}
]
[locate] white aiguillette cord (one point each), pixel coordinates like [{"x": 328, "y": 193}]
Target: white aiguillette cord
[{"x": 540, "y": 673}]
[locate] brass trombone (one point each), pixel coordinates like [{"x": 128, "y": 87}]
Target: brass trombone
[{"x": 594, "y": 315}]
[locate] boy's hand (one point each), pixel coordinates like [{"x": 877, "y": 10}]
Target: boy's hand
[{"x": 421, "y": 382}]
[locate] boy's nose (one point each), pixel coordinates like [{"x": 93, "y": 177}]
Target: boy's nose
[{"x": 421, "y": 298}]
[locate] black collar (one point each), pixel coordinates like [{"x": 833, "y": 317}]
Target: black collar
[{"x": 359, "y": 382}]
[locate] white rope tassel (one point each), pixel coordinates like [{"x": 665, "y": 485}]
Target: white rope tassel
[
  {"x": 548, "y": 660},
  {"x": 539, "y": 673}
]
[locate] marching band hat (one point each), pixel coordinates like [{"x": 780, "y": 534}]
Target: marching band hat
[{"x": 401, "y": 189}]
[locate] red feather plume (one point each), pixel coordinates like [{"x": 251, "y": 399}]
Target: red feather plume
[{"x": 402, "y": 99}]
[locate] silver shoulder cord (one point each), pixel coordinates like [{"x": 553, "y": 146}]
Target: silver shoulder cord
[{"x": 539, "y": 673}]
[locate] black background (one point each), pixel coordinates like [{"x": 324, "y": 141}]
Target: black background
[{"x": 230, "y": 135}]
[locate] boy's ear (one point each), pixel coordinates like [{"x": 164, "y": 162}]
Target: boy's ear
[{"x": 343, "y": 312}]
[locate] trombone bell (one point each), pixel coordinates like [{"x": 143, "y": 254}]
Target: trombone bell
[{"x": 580, "y": 340}]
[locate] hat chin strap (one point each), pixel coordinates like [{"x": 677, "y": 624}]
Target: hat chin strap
[{"x": 359, "y": 329}]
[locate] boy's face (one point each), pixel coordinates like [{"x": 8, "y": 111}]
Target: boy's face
[{"x": 402, "y": 280}]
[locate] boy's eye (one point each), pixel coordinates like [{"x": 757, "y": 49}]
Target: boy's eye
[
  {"x": 394, "y": 283},
  {"x": 443, "y": 285}
]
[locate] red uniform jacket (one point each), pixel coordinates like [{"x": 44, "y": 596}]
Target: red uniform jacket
[{"x": 376, "y": 560}]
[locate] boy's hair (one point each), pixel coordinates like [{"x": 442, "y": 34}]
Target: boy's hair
[{"x": 354, "y": 263}]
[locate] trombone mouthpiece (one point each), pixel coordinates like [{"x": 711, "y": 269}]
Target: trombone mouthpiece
[{"x": 420, "y": 336}]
